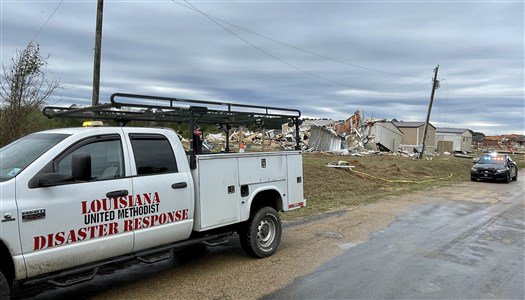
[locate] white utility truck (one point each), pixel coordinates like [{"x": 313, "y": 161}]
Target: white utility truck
[{"x": 78, "y": 199}]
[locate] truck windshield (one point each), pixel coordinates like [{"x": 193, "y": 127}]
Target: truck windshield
[{"x": 19, "y": 154}]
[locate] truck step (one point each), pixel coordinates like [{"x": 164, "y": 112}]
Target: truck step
[
  {"x": 217, "y": 242},
  {"x": 73, "y": 280},
  {"x": 156, "y": 258}
]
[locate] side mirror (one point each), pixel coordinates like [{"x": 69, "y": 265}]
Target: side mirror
[
  {"x": 81, "y": 167},
  {"x": 52, "y": 179}
]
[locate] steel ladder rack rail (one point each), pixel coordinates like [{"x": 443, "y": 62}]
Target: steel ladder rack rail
[
  {"x": 178, "y": 110},
  {"x": 124, "y": 108}
]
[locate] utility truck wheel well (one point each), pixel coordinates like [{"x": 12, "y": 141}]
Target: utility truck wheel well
[
  {"x": 7, "y": 266},
  {"x": 270, "y": 198}
]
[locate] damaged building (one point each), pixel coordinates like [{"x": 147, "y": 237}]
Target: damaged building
[
  {"x": 355, "y": 134},
  {"x": 413, "y": 133},
  {"x": 324, "y": 139},
  {"x": 384, "y": 135}
]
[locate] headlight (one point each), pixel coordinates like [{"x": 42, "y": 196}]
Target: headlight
[
  {"x": 502, "y": 170},
  {"x": 473, "y": 169}
]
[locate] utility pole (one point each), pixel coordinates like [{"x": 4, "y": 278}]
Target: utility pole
[
  {"x": 435, "y": 86},
  {"x": 98, "y": 43}
]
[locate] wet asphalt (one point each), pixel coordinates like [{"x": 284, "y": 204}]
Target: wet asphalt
[{"x": 444, "y": 249}]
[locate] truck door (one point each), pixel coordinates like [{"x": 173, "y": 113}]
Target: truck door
[
  {"x": 163, "y": 187},
  {"x": 75, "y": 223}
]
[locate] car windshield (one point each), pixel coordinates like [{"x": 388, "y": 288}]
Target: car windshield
[
  {"x": 18, "y": 155},
  {"x": 492, "y": 159}
]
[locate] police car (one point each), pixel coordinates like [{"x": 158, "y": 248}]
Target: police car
[{"x": 495, "y": 166}]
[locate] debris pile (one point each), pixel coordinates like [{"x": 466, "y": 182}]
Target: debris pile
[
  {"x": 271, "y": 140},
  {"x": 354, "y": 136}
]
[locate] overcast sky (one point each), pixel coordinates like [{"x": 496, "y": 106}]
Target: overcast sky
[{"x": 374, "y": 56}]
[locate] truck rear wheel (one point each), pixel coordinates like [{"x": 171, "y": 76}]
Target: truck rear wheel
[
  {"x": 4, "y": 287},
  {"x": 261, "y": 234}
]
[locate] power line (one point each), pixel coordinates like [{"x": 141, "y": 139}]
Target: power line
[
  {"x": 290, "y": 45},
  {"x": 215, "y": 20},
  {"x": 262, "y": 50},
  {"x": 45, "y": 23}
]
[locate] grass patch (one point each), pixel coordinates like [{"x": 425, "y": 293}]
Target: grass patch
[{"x": 328, "y": 189}]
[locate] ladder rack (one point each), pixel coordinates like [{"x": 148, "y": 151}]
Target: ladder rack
[{"x": 124, "y": 108}]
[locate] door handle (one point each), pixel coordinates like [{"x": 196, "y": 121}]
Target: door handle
[
  {"x": 116, "y": 194},
  {"x": 179, "y": 185}
]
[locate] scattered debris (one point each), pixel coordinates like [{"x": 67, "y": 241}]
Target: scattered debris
[
  {"x": 340, "y": 165},
  {"x": 355, "y": 136},
  {"x": 461, "y": 155}
]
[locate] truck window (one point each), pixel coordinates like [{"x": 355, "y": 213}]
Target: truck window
[
  {"x": 153, "y": 154},
  {"x": 18, "y": 155},
  {"x": 106, "y": 159}
]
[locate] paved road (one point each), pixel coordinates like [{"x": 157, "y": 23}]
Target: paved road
[{"x": 443, "y": 249}]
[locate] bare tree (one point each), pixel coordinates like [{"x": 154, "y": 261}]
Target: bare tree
[{"x": 24, "y": 90}]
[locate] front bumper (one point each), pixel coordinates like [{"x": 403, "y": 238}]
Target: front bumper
[{"x": 481, "y": 174}]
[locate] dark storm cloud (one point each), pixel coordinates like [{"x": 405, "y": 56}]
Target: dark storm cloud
[{"x": 162, "y": 48}]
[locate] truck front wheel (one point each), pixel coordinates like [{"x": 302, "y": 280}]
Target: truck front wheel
[
  {"x": 261, "y": 234},
  {"x": 4, "y": 287}
]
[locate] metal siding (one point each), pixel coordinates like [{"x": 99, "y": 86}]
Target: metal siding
[
  {"x": 457, "y": 140},
  {"x": 409, "y": 136},
  {"x": 323, "y": 140},
  {"x": 388, "y": 135}
]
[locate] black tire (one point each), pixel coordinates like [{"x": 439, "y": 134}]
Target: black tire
[
  {"x": 4, "y": 287},
  {"x": 508, "y": 179},
  {"x": 515, "y": 178},
  {"x": 473, "y": 178},
  {"x": 260, "y": 236}
]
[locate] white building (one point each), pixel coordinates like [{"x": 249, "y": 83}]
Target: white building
[{"x": 461, "y": 138}]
